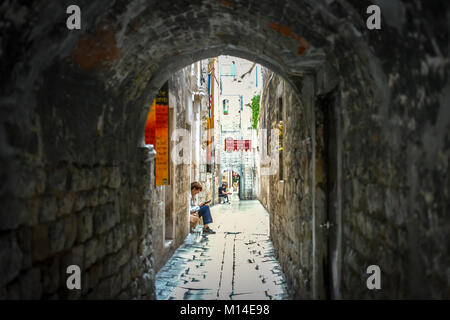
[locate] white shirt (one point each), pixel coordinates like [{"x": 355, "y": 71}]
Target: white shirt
[{"x": 193, "y": 203}]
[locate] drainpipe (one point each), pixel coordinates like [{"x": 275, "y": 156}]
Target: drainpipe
[
  {"x": 213, "y": 156},
  {"x": 241, "y": 179}
]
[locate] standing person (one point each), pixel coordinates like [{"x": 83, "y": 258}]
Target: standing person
[
  {"x": 223, "y": 192},
  {"x": 235, "y": 181},
  {"x": 201, "y": 210}
]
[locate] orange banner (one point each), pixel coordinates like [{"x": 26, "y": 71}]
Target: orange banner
[{"x": 157, "y": 133}]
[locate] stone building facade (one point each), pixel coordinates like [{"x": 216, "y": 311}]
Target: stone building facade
[
  {"x": 287, "y": 193},
  {"x": 239, "y": 81},
  {"x": 188, "y": 104}
]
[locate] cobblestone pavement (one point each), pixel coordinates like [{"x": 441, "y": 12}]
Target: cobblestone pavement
[{"x": 235, "y": 263}]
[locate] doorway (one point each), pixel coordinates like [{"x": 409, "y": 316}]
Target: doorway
[
  {"x": 327, "y": 195},
  {"x": 236, "y": 183}
]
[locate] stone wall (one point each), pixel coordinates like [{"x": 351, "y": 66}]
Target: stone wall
[
  {"x": 395, "y": 156},
  {"x": 374, "y": 160},
  {"x": 79, "y": 99},
  {"x": 205, "y": 177},
  {"x": 288, "y": 201},
  {"x": 173, "y": 199},
  {"x": 107, "y": 219},
  {"x": 73, "y": 214}
]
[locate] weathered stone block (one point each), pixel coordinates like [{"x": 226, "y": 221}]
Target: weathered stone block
[
  {"x": 134, "y": 210},
  {"x": 104, "y": 218},
  {"x": 147, "y": 284},
  {"x": 126, "y": 276},
  {"x": 104, "y": 289},
  {"x": 144, "y": 250},
  {"x": 33, "y": 206},
  {"x": 56, "y": 180},
  {"x": 123, "y": 256},
  {"x": 48, "y": 209},
  {"x": 92, "y": 200},
  {"x": 131, "y": 230},
  {"x": 89, "y": 176},
  {"x": 40, "y": 180},
  {"x": 114, "y": 178},
  {"x": 24, "y": 241},
  {"x": 135, "y": 267},
  {"x": 13, "y": 214},
  {"x": 108, "y": 242},
  {"x": 96, "y": 272},
  {"x": 11, "y": 258},
  {"x": 85, "y": 183},
  {"x": 116, "y": 285},
  {"x": 30, "y": 284},
  {"x": 104, "y": 196},
  {"x": 41, "y": 242},
  {"x": 50, "y": 273},
  {"x": 96, "y": 171},
  {"x": 76, "y": 179},
  {"x": 134, "y": 288},
  {"x": 104, "y": 176},
  {"x": 80, "y": 201},
  {"x": 90, "y": 252},
  {"x": 66, "y": 204},
  {"x": 70, "y": 230},
  {"x": 119, "y": 237},
  {"x": 24, "y": 183},
  {"x": 110, "y": 265},
  {"x": 117, "y": 210},
  {"x": 85, "y": 224},
  {"x": 57, "y": 236},
  {"x": 133, "y": 247}
]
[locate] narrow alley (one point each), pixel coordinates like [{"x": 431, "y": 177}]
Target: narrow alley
[
  {"x": 235, "y": 263},
  {"x": 328, "y": 122}
]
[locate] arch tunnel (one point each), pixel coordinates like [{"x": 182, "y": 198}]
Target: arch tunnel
[{"x": 75, "y": 171}]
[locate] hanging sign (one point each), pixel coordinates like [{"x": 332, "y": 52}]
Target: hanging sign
[
  {"x": 157, "y": 134},
  {"x": 237, "y": 145}
]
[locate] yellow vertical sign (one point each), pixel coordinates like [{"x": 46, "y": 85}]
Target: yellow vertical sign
[
  {"x": 162, "y": 137},
  {"x": 210, "y": 119}
]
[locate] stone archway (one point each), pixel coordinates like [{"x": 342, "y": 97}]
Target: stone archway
[{"x": 74, "y": 105}]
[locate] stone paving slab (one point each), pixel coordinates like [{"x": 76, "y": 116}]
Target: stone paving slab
[{"x": 236, "y": 263}]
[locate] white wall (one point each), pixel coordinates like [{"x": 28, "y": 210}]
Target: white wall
[{"x": 237, "y": 124}]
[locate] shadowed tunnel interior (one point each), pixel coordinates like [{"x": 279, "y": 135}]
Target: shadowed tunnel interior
[{"x": 75, "y": 172}]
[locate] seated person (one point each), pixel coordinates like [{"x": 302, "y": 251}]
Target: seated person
[
  {"x": 201, "y": 210},
  {"x": 223, "y": 192}
]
